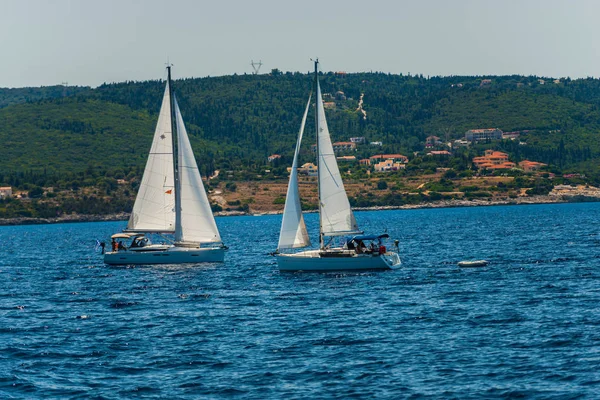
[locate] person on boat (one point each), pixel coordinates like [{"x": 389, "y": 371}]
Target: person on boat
[
  {"x": 372, "y": 248},
  {"x": 360, "y": 247},
  {"x": 382, "y": 249},
  {"x": 113, "y": 244},
  {"x": 121, "y": 246}
]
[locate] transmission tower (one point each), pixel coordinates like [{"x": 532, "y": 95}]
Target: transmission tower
[
  {"x": 256, "y": 66},
  {"x": 65, "y": 85}
]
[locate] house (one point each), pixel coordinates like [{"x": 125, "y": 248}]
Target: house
[
  {"x": 5, "y": 191},
  {"x": 376, "y": 144},
  {"x": 485, "y": 82},
  {"x": 432, "y": 141},
  {"x": 439, "y": 153},
  {"x": 340, "y": 96},
  {"x": 329, "y": 104},
  {"x": 511, "y": 135},
  {"x": 344, "y": 146},
  {"x": 460, "y": 143},
  {"x": 389, "y": 165},
  {"x": 273, "y": 157},
  {"x": 346, "y": 158},
  {"x": 364, "y": 161},
  {"x": 475, "y": 135},
  {"x": 357, "y": 140},
  {"x": 309, "y": 169},
  {"x": 493, "y": 160},
  {"x": 531, "y": 166},
  {"x": 395, "y": 157}
]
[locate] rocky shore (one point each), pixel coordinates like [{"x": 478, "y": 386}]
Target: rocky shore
[
  {"x": 64, "y": 219},
  {"x": 551, "y": 198}
]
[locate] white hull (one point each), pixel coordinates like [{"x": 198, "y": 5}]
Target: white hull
[
  {"x": 340, "y": 260},
  {"x": 165, "y": 255}
]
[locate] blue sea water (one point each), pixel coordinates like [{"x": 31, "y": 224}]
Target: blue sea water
[{"x": 526, "y": 326}]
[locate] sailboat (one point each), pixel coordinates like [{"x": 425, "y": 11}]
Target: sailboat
[
  {"x": 336, "y": 219},
  {"x": 171, "y": 202}
]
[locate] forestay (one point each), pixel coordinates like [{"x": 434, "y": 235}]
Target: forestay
[
  {"x": 154, "y": 207},
  {"x": 336, "y": 217},
  {"x": 293, "y": 232},
  {"x": 197, "y": 220}
]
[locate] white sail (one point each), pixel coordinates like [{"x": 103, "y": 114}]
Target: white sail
[
  {"x": 197, "y": 220},
  {"x": 153, "y": 210},
  {"x": 293, "y": 232},
  {"x": 336, "y": 217}
]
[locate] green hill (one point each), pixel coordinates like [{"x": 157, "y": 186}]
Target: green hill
[
  {"x": 9, "y": 96},
  {"x": 237, "y": 121}
]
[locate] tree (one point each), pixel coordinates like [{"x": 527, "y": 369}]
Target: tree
[{"x": 36, "y": 193}]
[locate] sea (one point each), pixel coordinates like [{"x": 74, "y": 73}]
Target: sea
[{"x": 526, "y": 326}]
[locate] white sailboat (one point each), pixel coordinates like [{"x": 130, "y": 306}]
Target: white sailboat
[
  {"x": 171, "y": 202},
  {"x": 359, "y": 252}
]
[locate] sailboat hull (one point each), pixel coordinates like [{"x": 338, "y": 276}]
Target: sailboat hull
[
  {"x": 170, "y": 255},
  {"x": 316, "y": 260}
]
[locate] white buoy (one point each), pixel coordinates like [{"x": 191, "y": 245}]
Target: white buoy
[{"x": 473, "y": 264}]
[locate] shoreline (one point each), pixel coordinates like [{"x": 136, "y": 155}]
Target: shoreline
[{"x": 457, "y": 203}]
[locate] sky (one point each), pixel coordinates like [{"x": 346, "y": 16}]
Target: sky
[{"x": 90, "y": 42}]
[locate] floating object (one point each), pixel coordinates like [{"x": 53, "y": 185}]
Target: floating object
[
  {"x": 335, "y": 215},
  {"x": 473, "y": 264},
  {"x": 171, "y": 200}
]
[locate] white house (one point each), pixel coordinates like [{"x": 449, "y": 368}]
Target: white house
[{"x": 5, "y": 191}]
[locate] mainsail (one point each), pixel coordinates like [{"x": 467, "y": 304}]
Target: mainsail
[
  {"x": 154, "y": 207},
  {"x": 197, "y": 220},
  {"x": 336, "y": 217},
  {"x": 293, "y": 229}
]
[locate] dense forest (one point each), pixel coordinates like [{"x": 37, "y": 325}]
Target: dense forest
[
  {"x": 10, "y": 96},
  {"x": 237, "y": 121},
  {"x": 71, "y": 137}
]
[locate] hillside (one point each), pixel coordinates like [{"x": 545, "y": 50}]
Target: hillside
[
  {"x": 84, "y": 151},
  {"x": 9, "y": 96},
  {"x": 240, "y": 120}
]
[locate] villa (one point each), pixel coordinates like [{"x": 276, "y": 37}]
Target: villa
[
  {"x": 531, "y": 166},
  {"x": 396, "y": 157},
  {"x": 493, "y": 160},
  {"x": 389, "y": 165}
]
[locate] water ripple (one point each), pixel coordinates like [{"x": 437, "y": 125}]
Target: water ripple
[{"x": 525, "y": 326}]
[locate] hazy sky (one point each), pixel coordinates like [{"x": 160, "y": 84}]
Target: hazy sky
[{"x": 85, "y": 42}]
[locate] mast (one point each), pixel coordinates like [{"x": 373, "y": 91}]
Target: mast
[
  {"x": 177, "y": 182},
  {"x": 321, "y": 241}
]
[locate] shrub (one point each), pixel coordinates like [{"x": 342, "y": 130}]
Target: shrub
[
  {"x": 382, "y": 185},
  {"x": 35, "y": 193}
]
